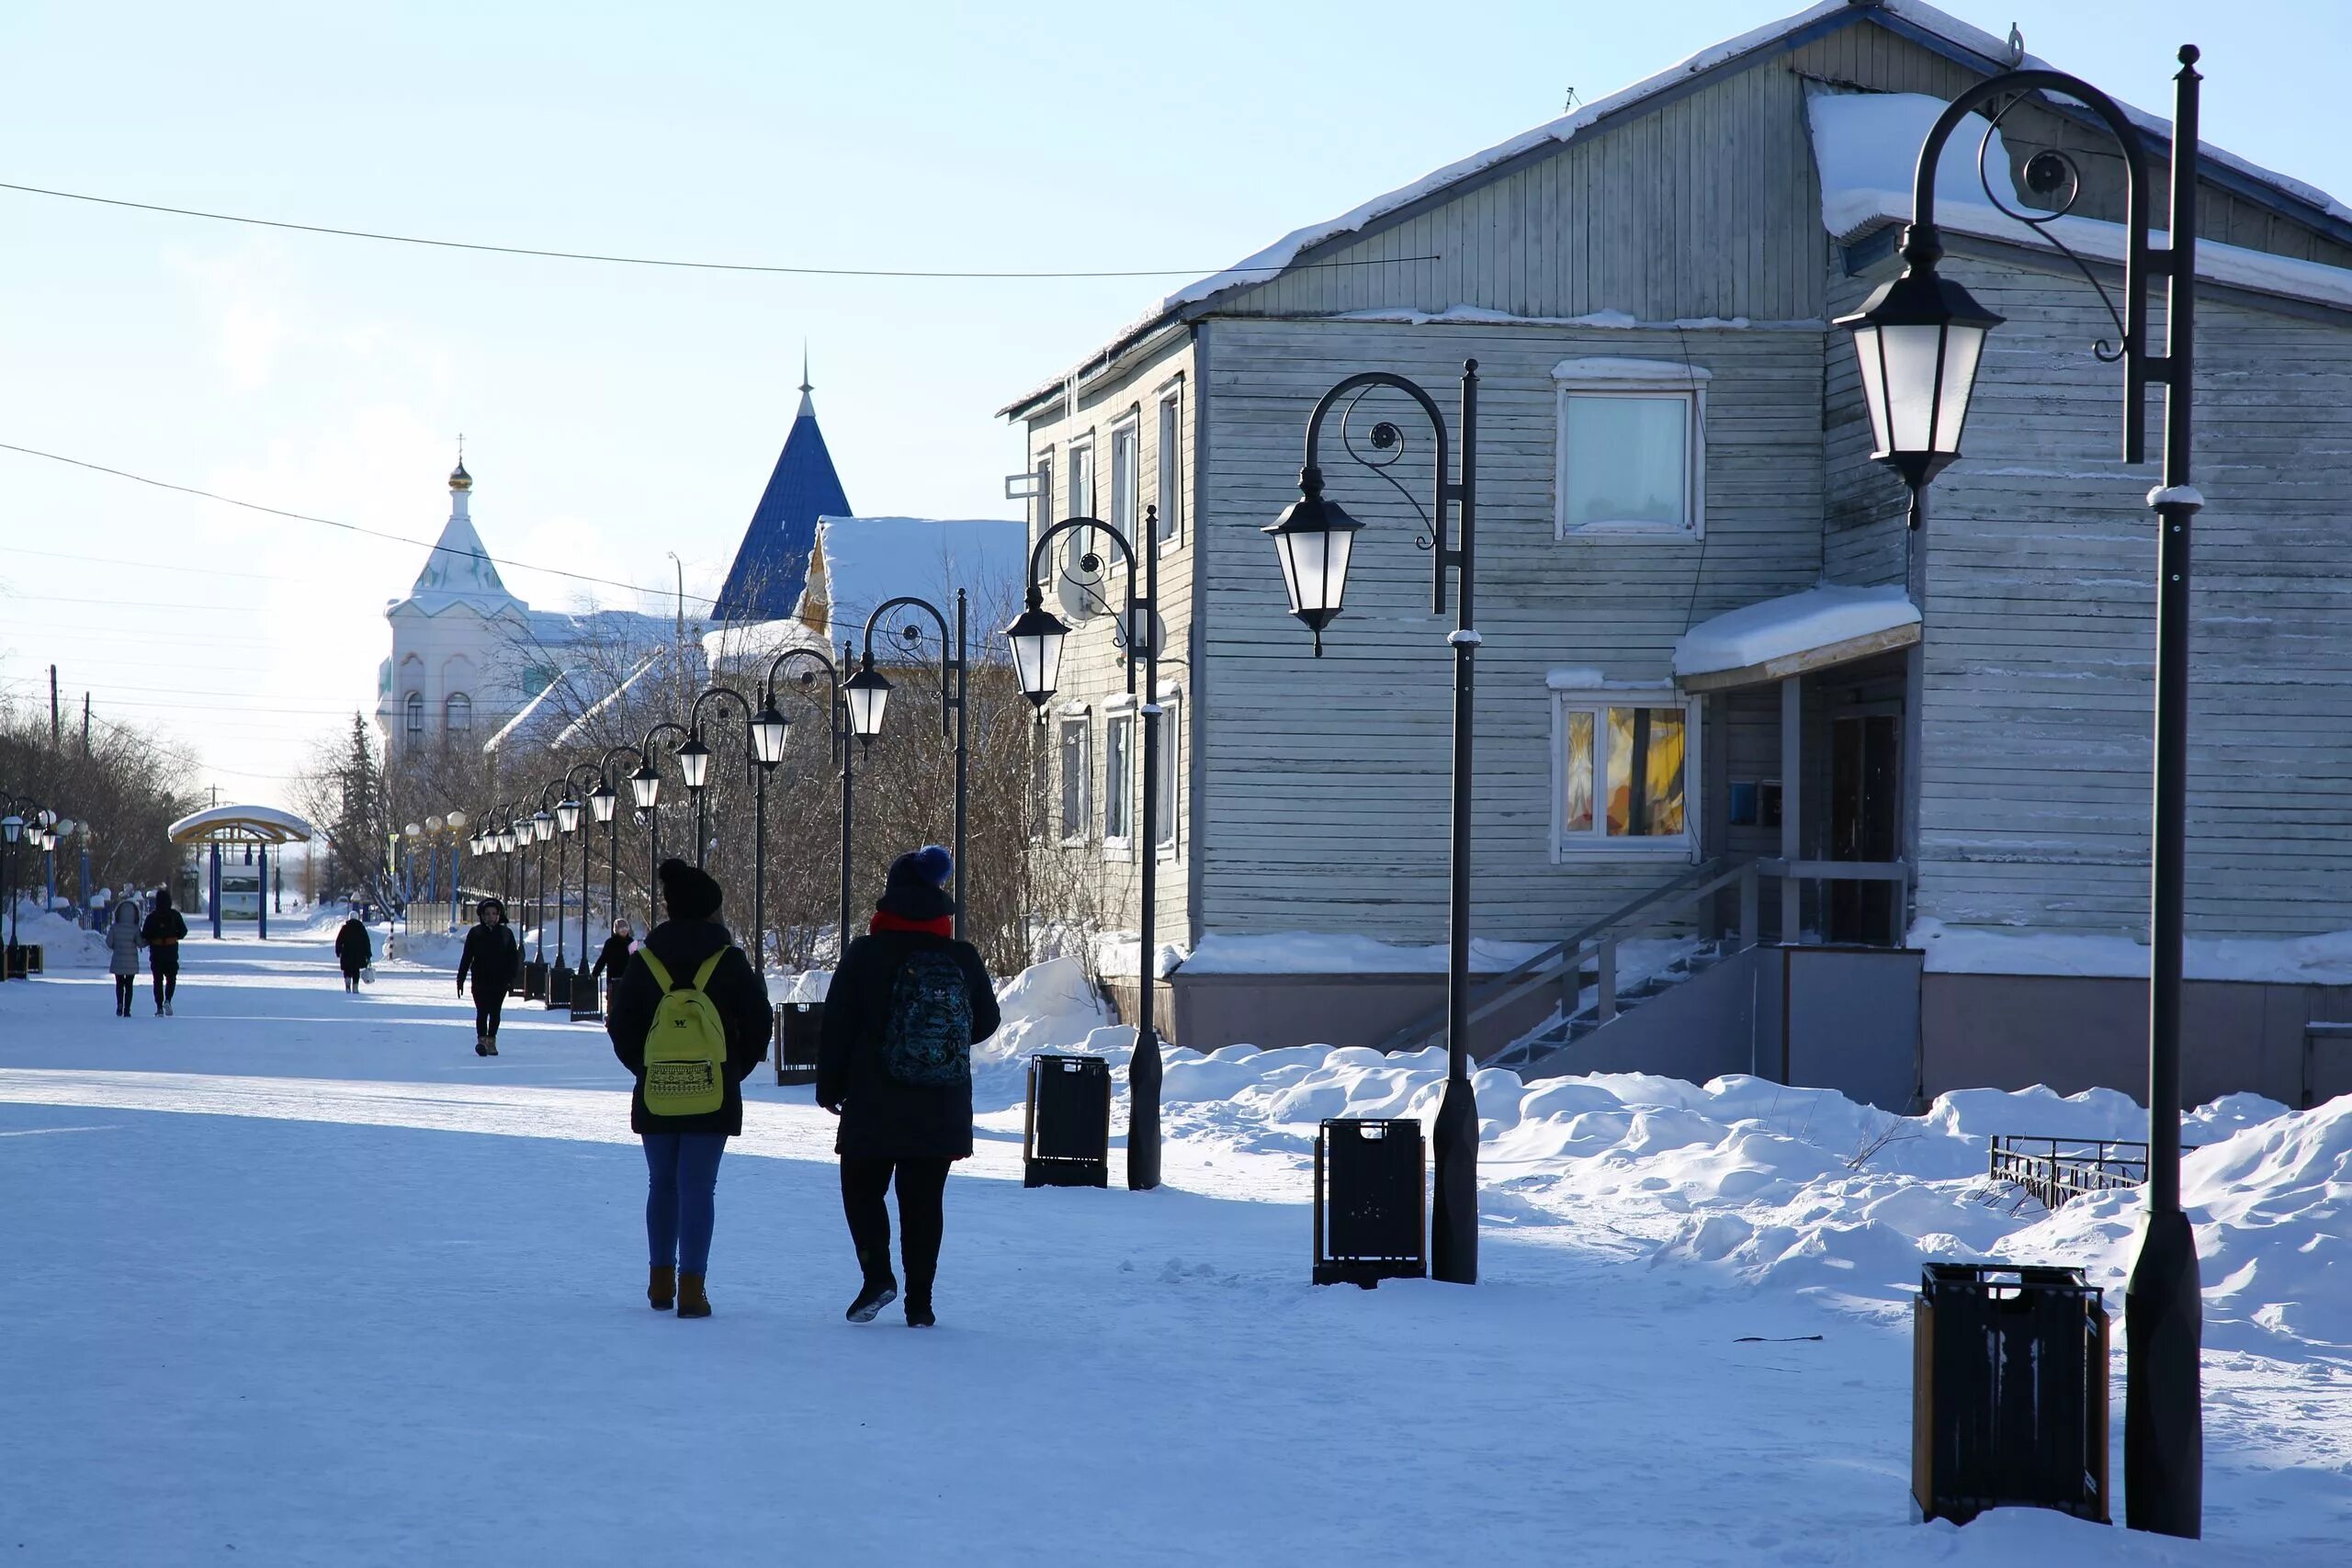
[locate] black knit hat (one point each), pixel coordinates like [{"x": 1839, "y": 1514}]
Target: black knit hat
[
  {"x": 911, "y": 890},
  {"x": 687, "y": 893}
]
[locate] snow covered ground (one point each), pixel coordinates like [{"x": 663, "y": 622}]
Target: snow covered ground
[{"x": 302, "y": 1279}]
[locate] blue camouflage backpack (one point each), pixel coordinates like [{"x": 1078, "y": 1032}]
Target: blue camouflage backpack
[{"x": 927, "y": 1040}]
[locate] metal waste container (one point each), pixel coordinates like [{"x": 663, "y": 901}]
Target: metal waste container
[
  {"x": 559, "y": 988},
  {"x": 1371, "y": 1201},
  {"x": 799, "y": 1027},
  {"x": 1066, "y": 1137},
  {"x": 2008, "y": 1391},
  {"x": 535, "y": 980}
]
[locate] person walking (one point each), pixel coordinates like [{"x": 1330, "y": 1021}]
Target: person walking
[
  {"x": 895, "y": 1063},
  {"x": 163, "y": 933},
  {"x": 492, "y": 955},
  {"x": 353, "y": 951},
  {"x": 123, "y": 942},
  {"x": 612, "y": 960},
  {"x": 689, "y": 1021}
]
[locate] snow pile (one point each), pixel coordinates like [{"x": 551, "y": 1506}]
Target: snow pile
[
  {"x": 2272, "y": 1204},
  {"x": 1332, "y": 952},
  {"x": 2325, "y": 959},
  {"x": 808, "y": 985},
  {"x": 1048, "y": 1007},
  {"x": 64, "y": 944},
  {"x": 1757, "y": 634}
]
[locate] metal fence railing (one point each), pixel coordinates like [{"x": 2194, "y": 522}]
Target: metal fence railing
[{"x": 2058, "y": 1171}]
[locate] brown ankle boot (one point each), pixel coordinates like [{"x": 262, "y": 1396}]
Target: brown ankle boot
[
  {"x": 662, "y": 1287},
  {"x": 692, "y": 1302}
]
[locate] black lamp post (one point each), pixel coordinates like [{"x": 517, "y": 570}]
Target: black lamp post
[
  {"x": 1037, "y": 637},
  {"x": 837, "y": 725},
  {"x": 603, "y": 801},
  {"x": 12, "y": 830},
  {"x": 1313, "y": 541},
  {"x": 645, "y": 787},
  {"x": 581, "y": 819},
  {"x": 694, "y": 761},
  {"x": 1918, "y": 340},
  {"x": 540, "y": 825},
  {"x": 869, "y": 694}
]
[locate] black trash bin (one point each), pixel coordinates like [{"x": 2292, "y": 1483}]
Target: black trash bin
[
  {"x": 18, "y": 956},
  {"x": 587, "y": 997},
  {"x": 559, "y": 989},
  {"x": 1065, "y": 1139},
  {"x": 2008, "y": 1391},
  {"x": 1371, "y": 1201},
  {"x": 535, "y": 980},
  {"x": 799, "y": 1027}
]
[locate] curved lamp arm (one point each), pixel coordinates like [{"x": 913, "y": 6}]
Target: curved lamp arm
[
  {"x": 834, "y": 680},
  {"x": 947, "y": 660},
  {"x": 1123, "y": 637},
  {"x": 1310, "y": 473},
  {"x": 694, "y": 719}
]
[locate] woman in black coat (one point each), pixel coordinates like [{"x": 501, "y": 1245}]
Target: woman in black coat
[
  {"x": 612, "y": 960},
  {"x": 682, "y": 1153},
  {"x": 492, "y": 956},
  {"x": 354, "y": 952},
  {"x": 905, "y": 1110}
]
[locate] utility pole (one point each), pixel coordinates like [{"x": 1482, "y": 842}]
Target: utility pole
[
  {"x": 85, "y": 727},
  {"x": 52, "y": 707}
]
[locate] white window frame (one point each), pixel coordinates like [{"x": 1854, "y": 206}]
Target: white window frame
[
  {"x": 1078, "y": 542},
  {"x": 1659, "y": 379},
  {"x": 1596, "y": 840},
  {"x": 1083, "y": 723},
  {"x": 1126, "y": 512},
  {"x": 1118, "y": 845},
  {"x": 1047, "y": 515},
  {"x": 412, "y": 713},
  {"x": 449, "y": 714},
  {"x": 1171, "y": 466},
  {"x": 1171, "y": 778}
]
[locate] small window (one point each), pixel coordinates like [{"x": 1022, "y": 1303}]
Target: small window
[
  {"x": 1126, "y": 476},
  {"x": 414, "y": 707},
  {"x": 1171, "y": 466},
  {"x": 1080, "y": 543},
  {"x": 1046, "y": 516},
  {"x": 1075, "y": 766},
  {"x": 1622, "y": 773},
  {"x": 458, "y": 713},
  {"x": 1165, "y": 806},
  {"x": 1119, "y": 779},
  {"x": 1632, "y": 443}
]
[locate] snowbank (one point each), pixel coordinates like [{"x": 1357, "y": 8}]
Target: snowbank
[{"x": 64, "y": 944}]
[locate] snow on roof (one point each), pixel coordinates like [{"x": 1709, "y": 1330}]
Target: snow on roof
[
  {"x": 241, "y": 823},
  {"x": 870, "y": 560},
  {"x": 1866, "y": 146},
  {"x": 1915, "y": 13},
  {"x": 1800, "y": 623}
]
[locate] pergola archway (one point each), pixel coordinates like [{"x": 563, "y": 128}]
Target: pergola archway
[{"x": 256, "y": 829}]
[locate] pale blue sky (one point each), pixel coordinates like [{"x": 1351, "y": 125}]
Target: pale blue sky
[{"x": 615, "y": 414}]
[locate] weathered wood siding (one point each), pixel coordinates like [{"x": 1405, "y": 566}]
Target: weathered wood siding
[
  {"x": 1326, "y": 780},
  {"x": 2040, "y": 628},
  {"x": 1108, "y": 884}
]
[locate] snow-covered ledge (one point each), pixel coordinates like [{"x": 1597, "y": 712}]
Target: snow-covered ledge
[
  {"x": 1779, "y": 637},
  {"x": 1671, "y": 371}
]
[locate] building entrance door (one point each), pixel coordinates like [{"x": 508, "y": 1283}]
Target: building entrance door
[{"x": 1865, "y": 824}]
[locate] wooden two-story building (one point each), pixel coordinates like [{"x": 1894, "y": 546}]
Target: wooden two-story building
[{"x": 1765, "y": 780}]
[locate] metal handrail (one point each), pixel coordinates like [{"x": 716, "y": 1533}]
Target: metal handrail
[{"x": 2058, "y": 1171}]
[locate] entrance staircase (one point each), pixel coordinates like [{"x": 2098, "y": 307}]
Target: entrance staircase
[{"x": 1566, "y": 1028}]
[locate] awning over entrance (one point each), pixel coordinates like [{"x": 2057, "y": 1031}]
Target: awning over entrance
[
  {"x": 240, "y": 825},
  {"x": 1779, "y": 637}
]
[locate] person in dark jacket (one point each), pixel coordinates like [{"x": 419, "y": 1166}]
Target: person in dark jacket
[
  {"x": 353, "y": 951},
  {"x": 123, "y": 942},
  {"x": 491, "y": 956},
  {"x": 163, "y": 933},
  {"x": 613, "y": 959},
  {"x": 682, "y": 1152},
  {"x": 893, "y": 1130}
]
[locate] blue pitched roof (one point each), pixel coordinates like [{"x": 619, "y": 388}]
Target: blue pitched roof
[{"x": 764, "y": 582}]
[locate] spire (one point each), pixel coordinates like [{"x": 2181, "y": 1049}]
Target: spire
[
  {"x": 460, "y": 566},
  {"x": 772, "y": 564}
]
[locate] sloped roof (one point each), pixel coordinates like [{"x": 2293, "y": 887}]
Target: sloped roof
[
  {"x": 863, "y": 562},
  {"x": 459, "y": 571},
  {"x": 773, "y": 562},
  {"x": 240, "y": 824},
  {"x": 1909, "y": 18}
]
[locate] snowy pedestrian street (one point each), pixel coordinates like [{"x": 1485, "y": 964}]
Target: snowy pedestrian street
[{"x": 299, "y": 1279}]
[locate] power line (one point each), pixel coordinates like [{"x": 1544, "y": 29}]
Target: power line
[
  {"x": 672, "y": 262},
  {"x": 432, "y": 545}
]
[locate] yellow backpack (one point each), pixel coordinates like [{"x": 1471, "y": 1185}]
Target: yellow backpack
[{"x": 686, "y": 1051}]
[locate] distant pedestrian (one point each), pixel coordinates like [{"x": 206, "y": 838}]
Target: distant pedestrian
[
  {"x": 895, "y": 1063},
  {"x": 689, "y": 1020},
  {"x": 613, "y": 960},
  {"x": 353, "y": 951},
  {"x": 492, "y": 956},
  {"x": 163, "y": 933},
  {"x": 123, "y": 942}
]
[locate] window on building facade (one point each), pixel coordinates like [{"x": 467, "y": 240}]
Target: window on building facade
[
  {"x": 1622, "y": 772},
  {"x": 1080, "y": 543},
  {"x": 1076, "y": 775},
  {"x": 1632, "y": 447},
  {"x": 1127, "y": 475},
  {"x": 1046, "y": 517},
  {"x": 458, "y": 713},
  {"x": 1171, "y": 466},
  {"x": 413, "y": 709},
  {"x": 1167, "y": 807},
  {"x": 1118, "y": 779}
]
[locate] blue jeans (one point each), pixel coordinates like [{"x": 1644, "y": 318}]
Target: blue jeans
[{"x": 682, "y": 1169}]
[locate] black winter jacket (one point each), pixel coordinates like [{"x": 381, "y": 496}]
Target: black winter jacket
[
  {"x": 163, "y": 932},
  {"x": 742, "y": 1003},
  {"x": 613, "y": 959},
  {"x": 492, "y": 956},
  {"x": 353, "y": 949},
  {"x": 882, "y": 1118}
]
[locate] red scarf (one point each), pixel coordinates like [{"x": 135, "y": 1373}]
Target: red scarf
[{"x": 885, "y": 921}]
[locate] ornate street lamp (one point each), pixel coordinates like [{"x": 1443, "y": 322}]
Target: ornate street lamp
[
  {"x": 1038, "y": 639},
  {"x": 1917, "y": 386},
  {"x": 868, "y": 694},
  {"x": 838, "y": 727},
  {"x": 645, "y": 784},
  {"x": 693, "y": 762},
  {"x": 1313, "y": 541},
  {"x": 603, "y": 804}
]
